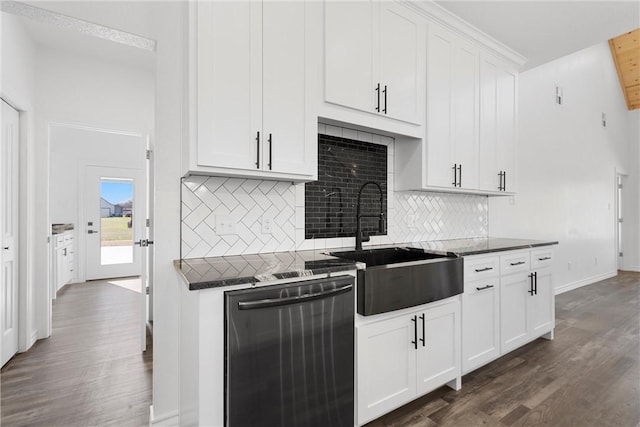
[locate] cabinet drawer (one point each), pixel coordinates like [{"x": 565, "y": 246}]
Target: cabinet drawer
[
  {"x": 514, "y": 262},
  {"x": 476, "y": 268},
  {"x": 486, "y": 285},
  {"x": 541, "y": 258}
]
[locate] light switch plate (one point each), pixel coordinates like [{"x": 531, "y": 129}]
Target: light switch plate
[
  {"x": 225, "y": 225},
  {"x": 267, "y": 224}
]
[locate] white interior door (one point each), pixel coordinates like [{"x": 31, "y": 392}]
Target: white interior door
[
  {"x": 114, "y": 220},
  {"x": 9, "y": 122}
]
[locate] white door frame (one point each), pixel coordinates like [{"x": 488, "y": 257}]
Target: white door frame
[
  {"x": 620, "y": 260},
  {"x": 10, "y": 250}
]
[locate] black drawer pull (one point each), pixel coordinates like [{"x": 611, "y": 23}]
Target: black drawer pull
[
  {"x": 517, "y": 263},
  {"x": 484, "y": 287},
  {"x": 544, "y": 259},
  {"x": 479, "y": 270},
  {"x": 423, "y": 333}
]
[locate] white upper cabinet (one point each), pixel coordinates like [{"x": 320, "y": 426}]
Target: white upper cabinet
[
  {"x": 349, "y": 74},
  {"x": 470, "y": 130},
  {"x": 497, "y": 124},
  {"x": 452, "y": 108},
  {"x": 374, "y": 58},
  {"x": 250, "y": 91}
]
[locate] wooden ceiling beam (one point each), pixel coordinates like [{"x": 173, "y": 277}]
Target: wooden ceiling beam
[{"x": 626, "y": 55}]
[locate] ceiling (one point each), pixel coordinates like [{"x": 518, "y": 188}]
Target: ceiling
[
  {"x": 52, "y": 37},
  {"x": 542, "y": 31},
  {"x": 62, "y": 32}
]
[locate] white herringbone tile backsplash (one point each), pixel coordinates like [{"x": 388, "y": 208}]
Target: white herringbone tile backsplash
[
  {"x": 245, "y": 201},
  {"x": 412, "y": 216}
]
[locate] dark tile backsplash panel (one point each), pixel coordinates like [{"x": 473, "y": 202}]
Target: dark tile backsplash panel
[{"x": 330, "y": 202}]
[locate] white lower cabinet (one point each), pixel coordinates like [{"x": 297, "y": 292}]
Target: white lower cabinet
[
  {"x": 63, "y": 261},
  {"x": 508, "y": 303},
  {"x": 527, "y": 298},
  {"x": 402, "y": 357},
  {"x": 480, "y": 323}
]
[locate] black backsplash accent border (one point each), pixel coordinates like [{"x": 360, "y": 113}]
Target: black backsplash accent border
[{"x": 330, "y": 202}]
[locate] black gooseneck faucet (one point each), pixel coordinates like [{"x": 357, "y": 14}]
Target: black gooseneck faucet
[{"x": 380, "y": 216}]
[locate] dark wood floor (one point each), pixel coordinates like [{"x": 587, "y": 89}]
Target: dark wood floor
[
  {"x": 588, "y": 375},
  {"x": 90, "y": 372}
]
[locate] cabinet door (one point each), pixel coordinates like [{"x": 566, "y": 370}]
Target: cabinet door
[
  {"x": 440, "y": 50},
  {"x": 506, "y": 81},
  {"x": 480, "y": 323},
  {"x": 497, "y": 123},
  {"x": 514, "y": 308},
  {"x": 386, "y": 366},
  {"x": 229, "y": 57},
  {"x": 488, "y": 168},
  {"x": 401, "y": 62},
  {"x": 283, "y": 73},
  {"x": 60, "y": 268},
  {"x": 439, "y": 356},
  {"x": 542, "y": 308},
  {"x": 465, "y": 104},
  {"x": 349, "y": 41}
]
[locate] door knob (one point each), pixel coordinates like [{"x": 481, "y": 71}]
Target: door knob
[
  {"x": 92, "y": 231},
  {"x": 6, "y": 248}
]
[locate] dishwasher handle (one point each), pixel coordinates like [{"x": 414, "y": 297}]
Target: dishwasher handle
[{"x": 275, "y": 302}]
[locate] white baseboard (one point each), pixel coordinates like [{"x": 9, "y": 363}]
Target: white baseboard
[
  {"x": 584, "y": 282},
  {"x": 632, "y": 268},
  {"x": 169, "y": 419},
  {"x": 33, "y": 339}
]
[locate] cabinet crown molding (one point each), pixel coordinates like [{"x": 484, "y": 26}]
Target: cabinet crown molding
[{"x": 436, "y": 13}]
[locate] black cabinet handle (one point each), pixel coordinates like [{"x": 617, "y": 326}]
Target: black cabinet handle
[
  {"x": 378, "y": 93},
  {"x": 478, "y": 270},
  {"x": 270, "y": 150},
  {"x": 531, "y": 283},
  {"x": 422, "y": 339},
  {"x": 517, "y": 263},
  {"x": 415, "y": 332},
  {"x": 535, "y": 282},
  {"x": 455, "y": 175},
  {"x": 501, "y": 185},
  {"x": 385, "y": 99},
  {"x": 258, "y": 150},
  {"x": 460, "y": 176},
  {"x": 544, "y": 258},
  {"x": 504, "y": 180},
  {"x": 484, "y": 287}
]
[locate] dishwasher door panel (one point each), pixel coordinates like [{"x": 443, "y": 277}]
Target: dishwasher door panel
[{"x": 289, "y": 354}]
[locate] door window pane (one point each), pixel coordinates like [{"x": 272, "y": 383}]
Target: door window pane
[{"x": 116, "y": 221}]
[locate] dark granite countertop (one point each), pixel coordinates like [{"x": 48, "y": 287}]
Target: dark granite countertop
[
  {"x": 60, "y": 228},
  {"x": 205, "y": 273},
  {"x": 480, "y": 245}
]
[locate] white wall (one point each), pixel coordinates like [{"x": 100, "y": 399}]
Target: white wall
[
  {"x": 567, "y": 163},
  {"x": 631, "y": 205}
]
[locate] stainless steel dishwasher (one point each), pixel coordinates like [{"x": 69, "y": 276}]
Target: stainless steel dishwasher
[{"x": 289, "y": 354}]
